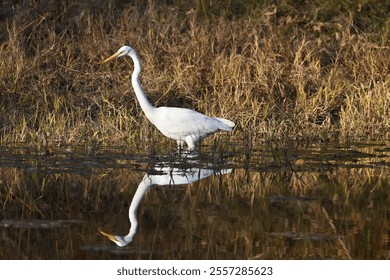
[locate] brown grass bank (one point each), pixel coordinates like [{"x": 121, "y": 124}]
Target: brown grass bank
[{"x": 279, "y": 70}]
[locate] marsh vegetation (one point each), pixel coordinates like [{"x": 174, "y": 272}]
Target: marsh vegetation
[
  {"x": 278, "y": 69},
  {"x": 306, "y": 82}
]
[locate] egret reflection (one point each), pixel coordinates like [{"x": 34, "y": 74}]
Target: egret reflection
[{"x": 164, "y": 174}]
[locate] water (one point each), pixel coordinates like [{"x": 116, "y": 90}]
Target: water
[{"x": 263, "y": 202}]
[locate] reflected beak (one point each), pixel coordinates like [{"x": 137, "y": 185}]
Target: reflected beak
[
  {"x": 109, "y": 236},
  {"x": 115, "y": 55}
]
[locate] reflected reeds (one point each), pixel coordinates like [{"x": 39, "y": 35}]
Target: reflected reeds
[{"x": 314, "y": 203}]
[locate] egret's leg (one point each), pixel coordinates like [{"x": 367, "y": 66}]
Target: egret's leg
[
  {"x": 180, "y": 145},
  {"x": 190, "y": 143}
]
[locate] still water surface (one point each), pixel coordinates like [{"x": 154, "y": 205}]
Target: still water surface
[{"x": 268, "y": 202}]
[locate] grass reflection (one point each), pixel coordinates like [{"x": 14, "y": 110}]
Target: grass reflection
[{"x": 299, "y": 203}]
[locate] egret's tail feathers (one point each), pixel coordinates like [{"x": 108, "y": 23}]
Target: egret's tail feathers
[{"x": 227, "y": 125}]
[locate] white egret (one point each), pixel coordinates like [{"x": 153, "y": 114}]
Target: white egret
[{"x": 180, "y": 124}]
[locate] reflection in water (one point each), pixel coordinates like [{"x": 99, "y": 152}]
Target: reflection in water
[
  {"x": 281, "y": 202},
  {"x": 163, "y": 174}
]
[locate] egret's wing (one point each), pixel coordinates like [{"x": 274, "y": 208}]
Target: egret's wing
[{"x": 181, "y": 122}]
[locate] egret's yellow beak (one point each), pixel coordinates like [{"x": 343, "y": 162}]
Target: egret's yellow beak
[
  {"x": 115, "y": 55},
  {"x": 109, "y": 236}
]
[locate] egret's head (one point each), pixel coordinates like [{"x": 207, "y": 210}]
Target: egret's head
[
  {"x": 125, "y": 50},
  {"x": 121, "y": 241}
]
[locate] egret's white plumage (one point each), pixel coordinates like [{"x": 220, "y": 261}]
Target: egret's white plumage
[{"x": 180, "y": 124}]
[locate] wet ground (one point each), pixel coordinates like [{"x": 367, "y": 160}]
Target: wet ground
[{"x": 258, "y": 202}]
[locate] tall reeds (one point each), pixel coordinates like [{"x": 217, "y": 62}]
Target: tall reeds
[{"x": 278, "y": 71}]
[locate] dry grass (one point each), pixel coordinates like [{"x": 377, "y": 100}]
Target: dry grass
[{"x": 278, "y": 72}]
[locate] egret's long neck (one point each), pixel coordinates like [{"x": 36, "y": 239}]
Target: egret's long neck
[
  {"x": 139, "y": 194},
  {"x": 143, "y": 101}
]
